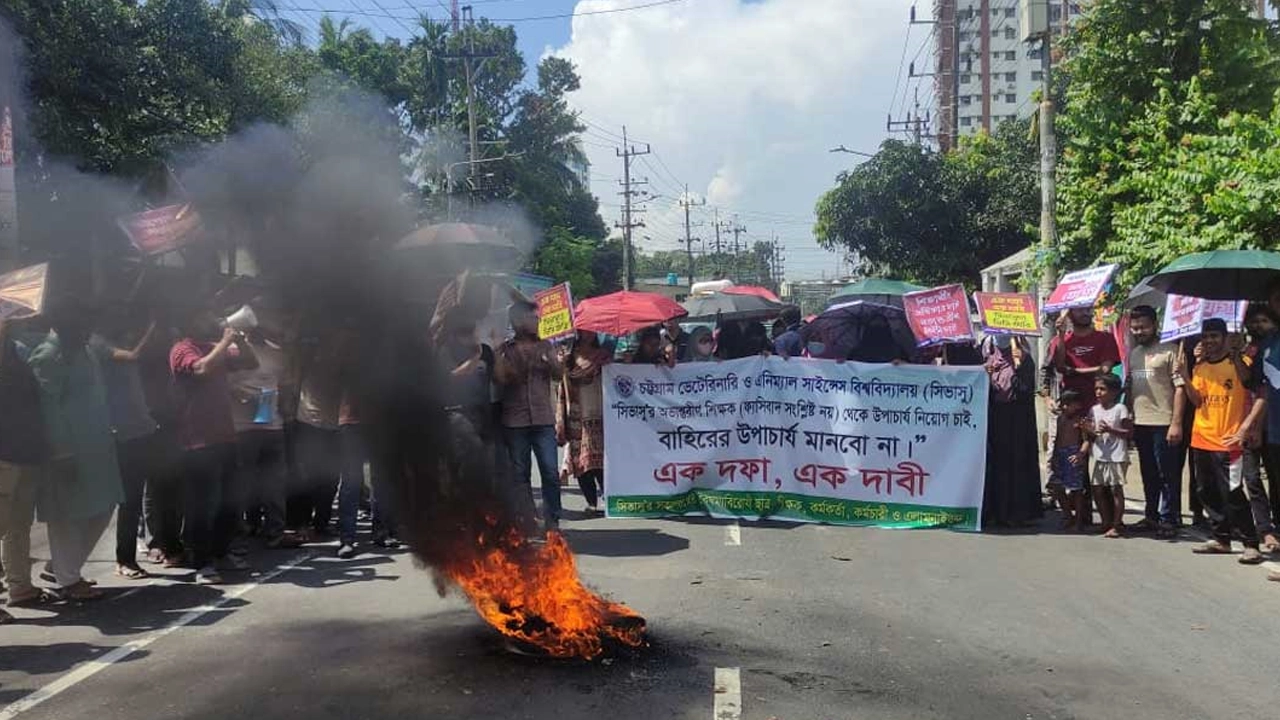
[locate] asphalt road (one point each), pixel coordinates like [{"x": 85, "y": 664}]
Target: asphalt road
[{"x": 762, "y": 621}]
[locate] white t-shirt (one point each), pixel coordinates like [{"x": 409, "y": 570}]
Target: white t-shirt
[{"x": 1109, "y": 447}]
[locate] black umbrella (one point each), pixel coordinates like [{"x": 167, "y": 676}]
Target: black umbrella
[
  {"x": 731, "y": 307},
  {"x": 862, "y": 331}
]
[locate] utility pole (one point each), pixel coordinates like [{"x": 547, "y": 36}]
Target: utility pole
[
  {"x": 737, "y": 229},
  {"x": 471, "y": 71},
  {"x": 686, "y": 202},
  {"x": 716, "y": 249},
  {"x": 1048, "y": 186},
  {"x": 9, "y": 259},
  {"x": 914, "y": 124},
  {"x": 776, "y": 271},
  {"x": 627, "y": 152}
]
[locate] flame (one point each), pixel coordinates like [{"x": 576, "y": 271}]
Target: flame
[{"x": 531, "y": 592}]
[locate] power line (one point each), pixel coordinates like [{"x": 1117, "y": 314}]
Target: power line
[{"x": 534, "y": 18}]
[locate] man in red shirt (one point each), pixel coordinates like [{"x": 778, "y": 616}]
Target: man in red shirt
[
  {"x": 1081, "y": 354},
  {"x": 208, "y": 436}
]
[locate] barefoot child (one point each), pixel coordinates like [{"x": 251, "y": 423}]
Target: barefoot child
[
  {"x": 1109, "y": 447},
  {"x": 1069, "y": 458}
]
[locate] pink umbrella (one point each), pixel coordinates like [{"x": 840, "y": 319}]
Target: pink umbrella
[
  {"x": 756, "y": 290},
  {"x": 625, "y": 312}
]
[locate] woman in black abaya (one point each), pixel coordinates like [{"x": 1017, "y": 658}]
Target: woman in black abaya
[{"x": 1012, "y": 493}]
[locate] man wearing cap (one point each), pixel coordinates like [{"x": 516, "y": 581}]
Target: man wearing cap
[{"x": 1227, "y": 416}]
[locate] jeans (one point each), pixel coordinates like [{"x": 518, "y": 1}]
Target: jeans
[
  {"x": 162, "y": 502},
  {"x": 1257, "y": 494},
  {"x": 208, "y": 474},
  {"x": 355, "y": 453},
  {"x": 1161, "y": 465},
  {"x": 135, "y": 459},
  {"x": 319, "y": 467},
  {"x": 541, "y": 441},
  {"x": 1228, "y": 509},
  {"x": 1271, "y": 460},
  {"x": 260, "y": 482}
]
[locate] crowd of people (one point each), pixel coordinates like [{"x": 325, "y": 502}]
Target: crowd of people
[{"x": 198, "y": 437}]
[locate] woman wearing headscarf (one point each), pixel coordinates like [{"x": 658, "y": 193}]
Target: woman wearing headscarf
[
  {"x": 580, "y": 415},
  {"x": 702, "y": 344},
  {"x": 1012, "y": 493}
]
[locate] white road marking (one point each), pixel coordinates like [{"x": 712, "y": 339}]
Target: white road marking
[
  {"x": 97, "y": 665},
  {"x": 728, "y": 695},
  {"x": 733, "y": 533}
]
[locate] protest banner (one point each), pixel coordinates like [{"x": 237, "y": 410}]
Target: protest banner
[
  {"x": 555, "y": 312},
  {"x": 8, "y": 189},
  {"x": 1184, "y": 315},
  {"x": 1007, "y": 313},
  {"x": 22, "y": 292},
  {"x": 1079, "y": 289},
  {"x": 163, "y": 229},
  {"x": 939, "y": 315},
  {"x": 806, "y": 440}
]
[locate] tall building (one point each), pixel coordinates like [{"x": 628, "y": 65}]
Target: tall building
[{"x": 986, "y": 71}]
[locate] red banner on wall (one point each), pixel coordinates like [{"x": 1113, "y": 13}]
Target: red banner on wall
[{"x": 939, "y": 315}]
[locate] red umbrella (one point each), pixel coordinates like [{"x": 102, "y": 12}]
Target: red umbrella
[
  {"x": 625, "y": 312},
  {"x": 756, "y": 290}
]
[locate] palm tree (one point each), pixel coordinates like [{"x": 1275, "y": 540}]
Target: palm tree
[{"x": 267, "y": 12}]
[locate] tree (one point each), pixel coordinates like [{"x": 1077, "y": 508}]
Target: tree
[
  {"x": 935, "y": 218},
  {"x": 566, "y": 257},
  {"x": 1160, "y": 93}
]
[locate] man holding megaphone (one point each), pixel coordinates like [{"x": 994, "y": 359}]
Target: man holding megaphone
[{"x": 200, "y": 361}]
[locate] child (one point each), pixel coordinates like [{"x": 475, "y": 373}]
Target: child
[
  {"x": 1068, "y": 459},
  {"x": 1109, "y": 447}
]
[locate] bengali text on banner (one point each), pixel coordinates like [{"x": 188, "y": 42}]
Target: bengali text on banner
[{"x": 805, "y": 440}]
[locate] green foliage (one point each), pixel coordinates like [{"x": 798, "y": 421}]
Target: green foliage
[
  {"x": 565, "y": 256},
  {"x": 1168, "y": 133},
  {"x": 933, "y": 218}
]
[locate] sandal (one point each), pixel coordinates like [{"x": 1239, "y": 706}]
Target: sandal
[
  {"x": 131, "y": 572},
  {"x": 37, "y": 597},
  {"x": 82, "y": 591},
  {"x": 1213, "y": 547},
  {"x": 156, "y": 556}
]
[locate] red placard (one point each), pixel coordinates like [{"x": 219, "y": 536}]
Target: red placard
[
  {"x": 1007, "y": 313},
  {"x": 939, "y": 315},
  {"x": 162, "y": 229},
  {"x": 1079, "y": 289}
]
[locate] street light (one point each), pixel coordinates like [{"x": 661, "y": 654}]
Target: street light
[
  {"x": 843, "y": 149},
  {"x": 448, "y": 176}
]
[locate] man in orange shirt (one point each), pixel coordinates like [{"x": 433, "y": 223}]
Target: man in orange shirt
[{"x": 1227, "y": 415}]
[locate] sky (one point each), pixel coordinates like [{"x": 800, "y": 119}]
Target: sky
[{"x": 741, "y": 100}]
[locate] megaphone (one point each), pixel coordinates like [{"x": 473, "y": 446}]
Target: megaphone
[{"x": 242, "y": 319}]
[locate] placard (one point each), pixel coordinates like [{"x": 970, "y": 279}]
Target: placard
[
  {"x": 162, "y": 229},
  {"x": 939, "y": 315},
  {"x": 22, "y": 292},
  {"x": 798, "y": 439},
  {"x": 1007, "y": 313},
  {"x": 1184, "y": 315},
  {"x": 1079, "y": 289},
  {"x": 555, "y": 312}
]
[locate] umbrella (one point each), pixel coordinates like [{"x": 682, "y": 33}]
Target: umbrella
[
  {"x": 1220, "y": 275},
  {"x": 467, "y": 244},
  {"x": 731, "y": 307},
  {"x": 1144, "y": 294},
  {"x": 756, "y": 290},
  {"x": 625, "y": 312},
  {"x": 862, "y": 330},
  {"x": 881, "y": 291}
]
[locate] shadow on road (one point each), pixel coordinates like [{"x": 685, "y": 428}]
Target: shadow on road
[{"x": 624, "y": 543}]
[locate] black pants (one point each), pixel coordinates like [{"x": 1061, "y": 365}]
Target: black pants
[
  {"x": 260, "y": 480},
  {"x": 208, "y": 474},
  {"x": 162, "y": 501},
  {"x": 319, "y": 465},
  {"x": 592, "y": 485},
  {"x": 1271, "y": 461},
  {"x": 135, "y": 459},
  {"x": 1228, "y": 509}
]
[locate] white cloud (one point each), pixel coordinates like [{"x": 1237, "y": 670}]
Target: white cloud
[{"x": 742, "y": 101}]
